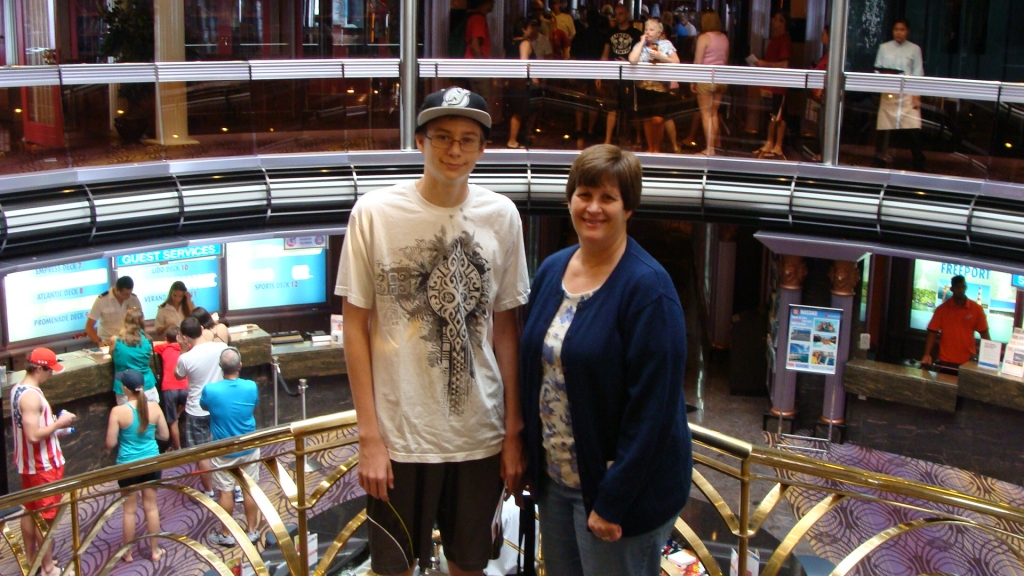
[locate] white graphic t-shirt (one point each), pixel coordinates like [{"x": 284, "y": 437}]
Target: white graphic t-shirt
[{"x": 434, "y": 277}]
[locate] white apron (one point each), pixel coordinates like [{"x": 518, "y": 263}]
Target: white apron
[{"x": 896, "y": 115}]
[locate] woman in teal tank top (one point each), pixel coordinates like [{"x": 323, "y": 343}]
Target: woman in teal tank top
[
  {"x": 131, "y": 349},
  {"x": 134, "y": 428}
]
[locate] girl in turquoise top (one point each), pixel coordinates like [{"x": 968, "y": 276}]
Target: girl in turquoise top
[
  {"x": 134, "y": 428},
  {"x": 131, "y": 349}
]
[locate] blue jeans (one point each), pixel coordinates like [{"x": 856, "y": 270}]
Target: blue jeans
[{"x": 569, "y": 549}]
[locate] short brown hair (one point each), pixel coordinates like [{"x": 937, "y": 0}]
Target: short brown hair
[
  {"x": 710, "y": 22},
  {"x": 607, "y": 164}
]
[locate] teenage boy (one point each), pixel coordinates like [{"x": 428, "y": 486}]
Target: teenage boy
[
  {"x": 617, "y": 46},
  {"x": 431, "y": 272},
  {"x": 37, "y": 452}
]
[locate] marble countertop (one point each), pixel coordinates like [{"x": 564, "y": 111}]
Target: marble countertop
[
  {"x": 989, "y": 386},
  {"x": 904, "y": 371},
  {"x": 89, "y": 372},
  {"x": 903, "y": 384}
]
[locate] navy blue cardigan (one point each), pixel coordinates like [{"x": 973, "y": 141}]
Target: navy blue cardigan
[{"x": 624, "y": 359}]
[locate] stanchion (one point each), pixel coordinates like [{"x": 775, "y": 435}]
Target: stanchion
[
  {"x": 276, "y": 369},
  {"x": 307, "y": 464}
]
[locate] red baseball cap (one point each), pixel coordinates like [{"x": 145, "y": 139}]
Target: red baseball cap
[{"x": 45, "y": 357}]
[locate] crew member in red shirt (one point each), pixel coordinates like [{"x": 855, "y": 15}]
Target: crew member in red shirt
[{"x": 954, "y": 323}]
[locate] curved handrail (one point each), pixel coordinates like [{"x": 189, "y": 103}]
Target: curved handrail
[
  {"x": 258, "y": 439},
  {"x": 934, "y": 502}
]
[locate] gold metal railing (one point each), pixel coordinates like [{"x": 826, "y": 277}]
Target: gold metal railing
[
  {"x": 323, "y": 434},
  {"x": 738, "y": 461}
]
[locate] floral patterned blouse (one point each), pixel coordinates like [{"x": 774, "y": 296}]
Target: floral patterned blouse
[{"x": 559, "y": 445}]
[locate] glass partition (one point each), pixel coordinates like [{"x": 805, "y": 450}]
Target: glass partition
[
  {"x": 935, "y": 135},
  {"x": 215, "y": 30}
]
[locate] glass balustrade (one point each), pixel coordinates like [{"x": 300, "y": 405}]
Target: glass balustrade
[{"x": 72, "y": 115}]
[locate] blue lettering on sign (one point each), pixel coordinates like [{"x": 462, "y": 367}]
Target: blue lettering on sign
[
  {"x": 1018, "y": 281},
  {"x": 169, "y": 254},
  {"x": 968, "y": 272}
]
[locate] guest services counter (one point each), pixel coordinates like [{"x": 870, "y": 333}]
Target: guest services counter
[
  {"x": 932, "y": 390},
  {"x": 89, "y": 373}
]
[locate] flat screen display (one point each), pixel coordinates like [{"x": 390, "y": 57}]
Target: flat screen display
[
  {"x": 153, "y": 273},
  {"x": 53, "y": 300},
  {"x": 268, "y": 273},
  {"x": 993, "y": 290}
]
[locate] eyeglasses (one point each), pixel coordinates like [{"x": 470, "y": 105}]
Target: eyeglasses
[{"x": 444, "y": 142}]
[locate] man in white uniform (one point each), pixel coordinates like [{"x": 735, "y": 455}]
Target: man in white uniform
[
  {"x": 432, "y": 272},
  {"x": 109, "y": 309},
  {"x": 895, "y": 111}
]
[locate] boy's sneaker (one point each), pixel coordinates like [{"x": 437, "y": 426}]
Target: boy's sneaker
[
  {"x": 212, "y": 494},
  {"x": 254, "y": 536},
  {"x": 220, "y": 539},
  {"x": 238, "y": 494}
]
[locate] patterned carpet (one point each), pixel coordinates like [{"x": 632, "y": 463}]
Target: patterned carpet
[
  {"x": 945, "y": 549},
  {"x": 180, "y": 515}
]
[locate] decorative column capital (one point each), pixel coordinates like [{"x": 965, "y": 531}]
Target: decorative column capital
[
  {"x": 844, "y": 276},
  {"x": 792, "y": 271}
]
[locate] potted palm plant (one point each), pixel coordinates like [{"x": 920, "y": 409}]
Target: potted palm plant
[{"x": 129, "y": 38}]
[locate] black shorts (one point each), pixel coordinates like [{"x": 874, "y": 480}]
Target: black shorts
[
  {"x": 778, "y": 100},
  {"x": 169, "y": 402},
  {"x": 609, "y": 94},
  {"x": 139, "y": 479},
  {"x": 463, "y": 497},
  {"x": 651, "y": 103}
]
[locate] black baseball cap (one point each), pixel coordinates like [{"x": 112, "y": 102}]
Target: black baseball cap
[
  {"x": 130, "y": 378},
  {"x": 455, "y": 101}
]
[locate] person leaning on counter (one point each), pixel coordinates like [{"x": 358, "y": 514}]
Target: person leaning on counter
[
  {"x": 109, "y": 310},
  {"x": 955, "y": 321}
]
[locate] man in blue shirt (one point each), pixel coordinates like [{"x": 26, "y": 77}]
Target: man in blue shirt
[{"x": 231, "y": 403}]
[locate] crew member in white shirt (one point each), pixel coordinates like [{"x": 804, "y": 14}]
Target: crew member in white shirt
[
  {"x": 107, "y": 313},
  {"x": 896, "y": 111}
]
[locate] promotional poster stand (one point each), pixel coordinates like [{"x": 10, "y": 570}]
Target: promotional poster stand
[{"x": 811, "y": 346}]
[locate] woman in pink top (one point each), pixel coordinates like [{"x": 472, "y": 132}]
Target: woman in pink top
[{"x": 712, "y": 49}]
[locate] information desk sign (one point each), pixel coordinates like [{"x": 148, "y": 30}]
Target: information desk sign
[
  {"x": 813, "y": 339},
  {"x": 154, "y": 272}
]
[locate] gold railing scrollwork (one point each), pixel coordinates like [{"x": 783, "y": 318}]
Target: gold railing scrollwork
[
  {"x": 290, "y": 442},
  {"x": 740, "y": 461},
  {"x": 89, "y": 502}
]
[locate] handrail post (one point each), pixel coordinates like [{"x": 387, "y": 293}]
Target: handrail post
[
  {"x": 834, "y": 83},
  {"x": 275, "y": 368},
  {"x": 301, "y": 510},
  {"x": 408, "y": 74},
  {"x": 76, "y": 537},
  {"x": 744, "y": 528}
]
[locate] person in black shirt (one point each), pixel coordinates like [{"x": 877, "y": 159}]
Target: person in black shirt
[
  {"x": 620, "y": 41},
  {"x": 588, "y": 44}
]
